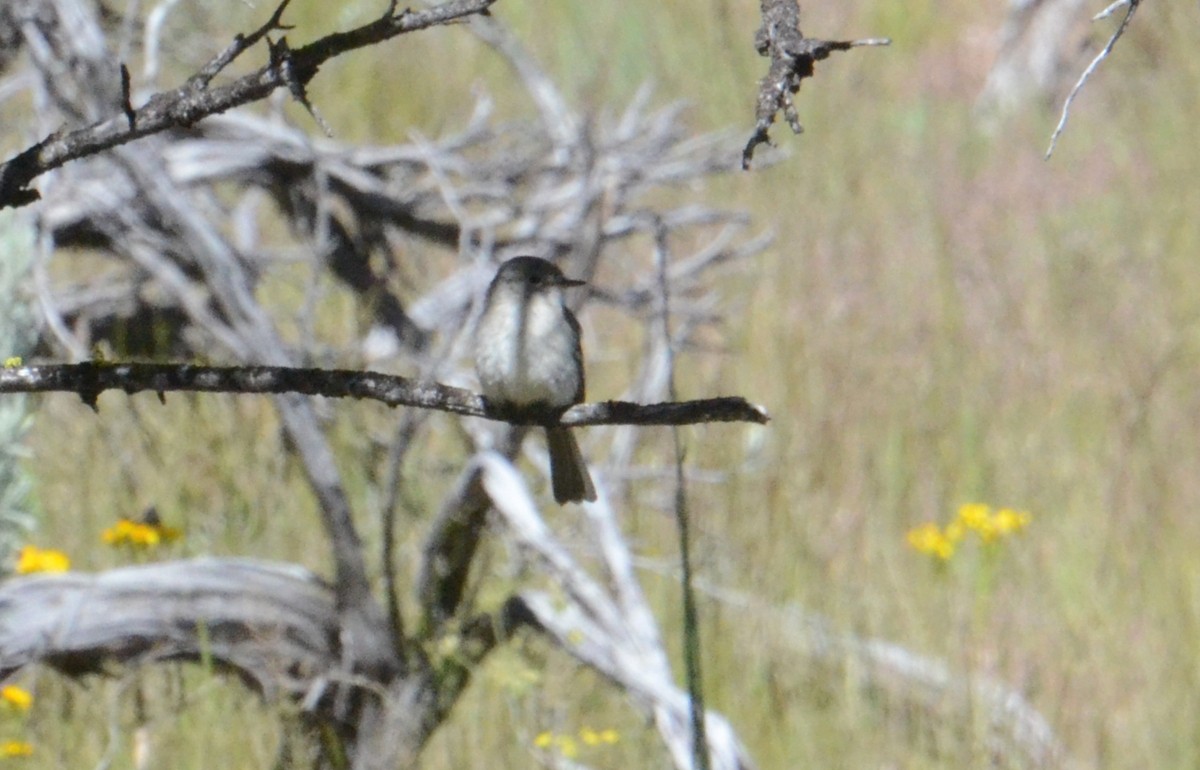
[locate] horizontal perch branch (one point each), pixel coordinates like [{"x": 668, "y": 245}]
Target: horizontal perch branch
[{"x": 90, "y": 379}]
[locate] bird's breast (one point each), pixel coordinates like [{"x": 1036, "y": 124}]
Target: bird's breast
[{"x": 526, "y": 354}]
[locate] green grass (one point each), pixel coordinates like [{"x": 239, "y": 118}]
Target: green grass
[{"x": 945, "y": 318}]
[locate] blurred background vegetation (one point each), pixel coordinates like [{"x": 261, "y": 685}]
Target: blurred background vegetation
[{"x": 944, "y": 318}]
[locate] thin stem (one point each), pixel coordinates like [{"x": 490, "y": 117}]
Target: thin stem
[{"x": 691, "y": 624}]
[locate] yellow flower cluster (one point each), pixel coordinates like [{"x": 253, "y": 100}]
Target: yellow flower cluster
[
  {"x": 15, "y": 698},
  {"x": 929, "y": 538},
  {"x": 990, "y": 526},
  {"x": 568, "y": 745},
  {"x": 592, "y": 737},
  {"x": 32, "y": 559},
  {"x": 16, "y": 749},
  {"x": 139, "y": 534}
]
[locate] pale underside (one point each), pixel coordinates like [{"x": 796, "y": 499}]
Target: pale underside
[{"x": 519, "y": 355}]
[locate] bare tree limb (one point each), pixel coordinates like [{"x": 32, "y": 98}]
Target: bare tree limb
[
  {"x": 449, "y": 549},
  {"x": 240, "y": 44},
  {"x": 90, "y": 379},
  {"x": 275, "y": 625},
  {"x": 231, "y": 280},
  {"x": 1094, "y": 65},
  {"x": 793, "y": 58},
  {"x": 608, "y": 627},
  {"x": 194, "y": 100}
]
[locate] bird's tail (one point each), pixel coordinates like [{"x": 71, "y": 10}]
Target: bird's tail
[{"x": 568, "y": 473}]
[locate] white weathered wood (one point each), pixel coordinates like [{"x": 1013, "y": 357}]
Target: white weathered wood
[
  {"x": 611, "y": 629},
  {"x": 274, "y": 624}
]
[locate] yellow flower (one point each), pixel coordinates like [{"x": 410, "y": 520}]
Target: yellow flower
[
  {"x": 16, "y": 697},
  {"x": 929, "y": 538},
  {"x": 1007, "y": 521},
  {"x": 923, "y": 537},
  {"x": 568, "y": 747},
  {"x": 13, "y": 362},
  {"x": 972, "y": 517},
  {"x": 592, "y": 737},
  {"x": 32, "y": 559},
  {"x": 16, "y": 749},
  {"x": 987, "y": 531},
  {"x": 138, "y": 534},
  {"x": 975, "y": 516}
]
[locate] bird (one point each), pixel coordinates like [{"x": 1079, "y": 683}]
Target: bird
[{"x": 529, "y": 360}]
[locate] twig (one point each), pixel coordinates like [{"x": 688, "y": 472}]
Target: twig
[
  {"x": 281, "y": 57},
  {"x": 1095, "y": 63},
  {"x": 240, "y": 44},
  {"x": 126, "y": 105},
  {"x": 793, "y": 58},
  {"x": 194, "y": 100},
  {"x": 691, "y": 621},
  {"x": 1110, "y": 10}
]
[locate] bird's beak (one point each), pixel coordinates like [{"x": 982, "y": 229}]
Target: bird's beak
[{"x": 567, "y": 283}]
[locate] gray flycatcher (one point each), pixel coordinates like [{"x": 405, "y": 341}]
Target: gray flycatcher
[{"x": 530, "y": 362}]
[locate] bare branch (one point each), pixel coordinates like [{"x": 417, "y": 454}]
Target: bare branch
[
  {"x": 610, "y": 629},
  {"x": 1087, "y": 73},
  {"x": 90, "y": 379},
  {"x": 793, "y": 58},
  {"x": 449, "y": 549},
  {"x": 240, "y": 44},
  {"x": 275, "y": 625},
  {"x": 195, "y": 100}
]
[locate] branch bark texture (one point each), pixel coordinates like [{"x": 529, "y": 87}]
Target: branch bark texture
[
  {"x": 793, "y": 58},
  {"x": 195, "y": 100},
  {"x": 274, "y": 625},
  {"x": 90, "y": 379}
]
